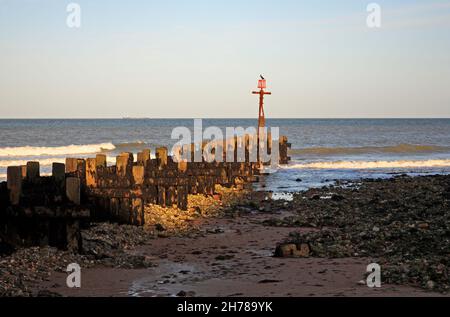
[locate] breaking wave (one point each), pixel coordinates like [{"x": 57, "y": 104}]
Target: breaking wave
[
  {"x": 44, "y": 162},
  {"x": 398, "y": 149},
  {"x": 137, "y": 144},
  {"x": 54, "y": 151},
  {"x": 370, "y": 164}
]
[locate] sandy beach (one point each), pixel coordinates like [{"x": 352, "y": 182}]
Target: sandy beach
[{"x": 232, "y": 253}]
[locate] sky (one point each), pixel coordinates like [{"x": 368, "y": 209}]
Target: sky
[{"x": 202, "y": 59}]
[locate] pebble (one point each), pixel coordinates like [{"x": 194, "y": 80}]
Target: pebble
[{"x": 412, "y": 245}]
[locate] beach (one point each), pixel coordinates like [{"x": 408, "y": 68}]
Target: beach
[
  {"x": 205, "y": 150},
  {"x": 356, "y": 192},
  {"x": 229, "y": 249}
]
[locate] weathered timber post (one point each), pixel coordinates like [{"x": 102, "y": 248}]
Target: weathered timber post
[
  {"x": 161, "y": 156},
  {"x": 91, "y": 172},
  {"x": 182, "y": 195},
  {"x": 73, "y": 190},
  {"x": 24, "y": 171},
  {"x": 137, "y": 211},
  {"x": 14, "y": 184},
  {"x": 283, "y": 146},
  {"x": 170, "y": 196},
  {"x": 161, "y": 195},
  {"x": 143, "y": 157},
  {"x": 58, "y": 174},
  {"x": 100, "y": 160},
  {"x": 138, "y": 174},
  {"x": 73, "y": 235},
  {"x": 76, "y": 167},
  {"x": 33, "y": 172},
  {"x": 71, "y": 165},
  {"x": 124, "y": 163}
]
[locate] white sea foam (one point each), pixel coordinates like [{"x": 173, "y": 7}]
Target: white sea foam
[
  {"x": 399, "y": 149},
  {"x": 22, "y": 151},
  {"x": 369, "y": 164},
  {"x": 44, "y": 162}
]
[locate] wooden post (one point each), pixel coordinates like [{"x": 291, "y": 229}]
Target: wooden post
[
  {"x": 14, "y": 184},
  {"x": 71, "y": 165},
  {"x": 138, "y": 174},
  {"x": 100, "y": 160},
  {"x": 162, "y": 196},
  {"x": 182, "y": 166},
  {"x": 73, "y": 190},
  {"x": 91, "y": 172},
  {"x": 143, "y": 157},
  {"x": 137, "y": 211},
  {"x": 161, "y": 155},
  {"x": 124, "y": 163},
  {"x": 182, "y": 197},
  {"x": 58, "y": 173},
  {"x": 24, "y": 171},
  {"x": 33, "y": 171},
  {"x": 170, "y": 196}
]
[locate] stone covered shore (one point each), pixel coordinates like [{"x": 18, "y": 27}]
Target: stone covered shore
[
  {"x": 225, "y": 246},
  {"x": 402, "y": 223}
]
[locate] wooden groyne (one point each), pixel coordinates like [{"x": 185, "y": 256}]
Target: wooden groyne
[{"x": 41, "y": 210}]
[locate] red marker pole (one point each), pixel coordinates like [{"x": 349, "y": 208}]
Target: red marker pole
[{"x": 261, "y": 117}]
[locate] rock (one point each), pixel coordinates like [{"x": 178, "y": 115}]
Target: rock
[
  {"x": 302, "y": 250},
  {"x": 285, "y": 250},
  {"x": 224, "y": 257},
  {"x": 181, "y": 294},
  {"x": 403, "y": 221},
  {"x": 266, "y": 281},
  {"x": 159, "y": 227},
  {"x": 336, "y": 197},
  {"x": 47, "y": 293},
  {"x": 186, "y": 294},
  {"x": 298, "y": 180},
  {"x": 292, "y": 250}
]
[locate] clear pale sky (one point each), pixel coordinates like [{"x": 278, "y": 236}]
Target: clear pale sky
[{"x": 202, "y": 59}]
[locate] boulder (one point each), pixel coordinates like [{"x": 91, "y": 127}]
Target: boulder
[{"x": 291, "y": 250}]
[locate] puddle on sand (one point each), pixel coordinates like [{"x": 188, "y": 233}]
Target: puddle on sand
[
  {"x": 262, "y": 253},
  {"x": 167, "y": 279}
]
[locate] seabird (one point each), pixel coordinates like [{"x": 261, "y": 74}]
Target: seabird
[{"x": 262, "y": 77}]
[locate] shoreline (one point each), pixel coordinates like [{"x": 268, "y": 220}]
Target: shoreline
[{"x": 230, "y": 253}]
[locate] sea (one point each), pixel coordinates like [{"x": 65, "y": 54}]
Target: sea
[{"x": 323, "y": 150}]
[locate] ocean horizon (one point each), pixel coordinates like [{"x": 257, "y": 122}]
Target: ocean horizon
[{"x": 323, "y": 150}]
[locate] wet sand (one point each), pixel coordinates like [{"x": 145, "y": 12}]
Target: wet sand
[{"x": 231, "y": 257}]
